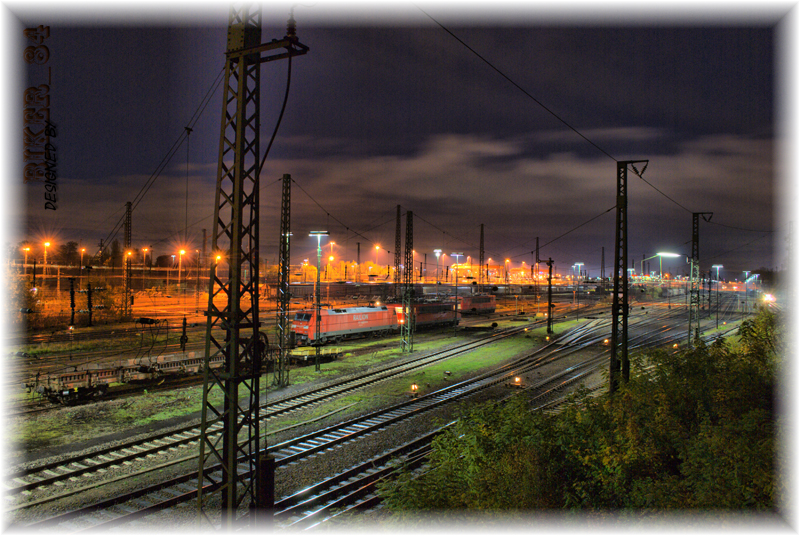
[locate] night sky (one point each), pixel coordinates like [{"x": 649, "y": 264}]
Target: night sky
[{"x": 387, "y": 108}]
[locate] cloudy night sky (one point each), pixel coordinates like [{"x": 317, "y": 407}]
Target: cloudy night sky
[{"x": 388, "y": 108}]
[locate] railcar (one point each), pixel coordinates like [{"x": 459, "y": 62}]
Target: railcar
[
  {"x": 431, "y": 314},
  {"x": 81, "y": 385},
  {"x": 339, "y": 324},
  {"x": 477, "y": 304}
]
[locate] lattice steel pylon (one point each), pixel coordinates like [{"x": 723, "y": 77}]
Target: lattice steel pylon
[
  {"x": 481, "y": 260},
  {"x": 235, "y": 226},
  {"x": 398, "y": 246},
  {"x": 228, "y": 455},
  {"x": 407, "y": 329},
  {"x": 619, "y": 306},
  {"x": 281, "y": 372},
  {"x": 127, "y": 310},
  {"x": 694, "y": 276}
]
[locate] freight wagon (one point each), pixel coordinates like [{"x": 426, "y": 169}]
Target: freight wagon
[
  {"x": 339, "y": 324},
  {"x": 81, "y": 385},
  {"x": 431, "y": 314},
  {"x": 477, "y": 304}
]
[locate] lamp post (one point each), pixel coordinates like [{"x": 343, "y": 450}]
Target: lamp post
[
  {"x": 506, "y": 264},
  {"x": 455, "y": 307},
  {"x": 437, "y": 252},
  {"x": 717, "y": 266},
  {"x": 44, "y": 268},
  {"x": 660, "y": 255},
  {"x": 169, "y": 269},
  {"x": 25, "y": 266},
  {"x": 319, "y": 235},
  {"x": 144, "y": 264},
  {"x": 181, "y": 291},
  {"x": 577, "y": 289},
  {"x": 746, "y": 275}
]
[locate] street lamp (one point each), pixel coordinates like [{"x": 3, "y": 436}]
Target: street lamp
[
  {"x": 507, "y": 261},
  {"x": 25, "y": 266},
  {"x": 180, "y": 264},
  {"x": 659, "y": 255},
  {"x": 437, "y": 252},
  {"x": 746, "y": 275},
  {"x": 44, "y": 271},
  {"x": 717, "y": 266},
  {"x": 319, "y": 235},
  {"x": 455, "y": 307},
  {"x": 576, "y": 284},
  {"x": 377, "y": 248},
  {"x": 169, "y": 269}
]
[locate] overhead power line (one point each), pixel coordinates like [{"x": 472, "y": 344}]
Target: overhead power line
[{"x": 543, "y": 106}]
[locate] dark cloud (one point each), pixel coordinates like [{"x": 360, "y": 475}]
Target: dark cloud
[{"x": 395, "y": 111}]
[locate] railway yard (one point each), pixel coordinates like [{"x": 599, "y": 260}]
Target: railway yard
[{"x": 333, "y": 433}]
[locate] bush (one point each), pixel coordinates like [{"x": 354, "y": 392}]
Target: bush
[{"x": 694, "y": 430}]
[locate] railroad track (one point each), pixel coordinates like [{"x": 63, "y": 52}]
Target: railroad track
[
  {"x": 130, "y": 507},
  {"x": 49, "y": 474},
  {"x": 294, "y": 450}
]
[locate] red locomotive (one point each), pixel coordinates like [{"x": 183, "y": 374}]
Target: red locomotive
[
  {"x": 477, "y": 304},
  {"x": 339, "y": 324}
]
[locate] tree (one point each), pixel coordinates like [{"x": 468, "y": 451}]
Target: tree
[
  {"x": 690, "y": 430},
  {"x": 67, "y": 254},
  {"x": 115, "y": 257}
]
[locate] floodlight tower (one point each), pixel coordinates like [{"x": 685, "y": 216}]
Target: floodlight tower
[
  {"x": 317, "y": 343},
  {"x": 229, "y": 429}
]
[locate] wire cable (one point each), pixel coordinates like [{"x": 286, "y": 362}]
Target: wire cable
[{"x": 568, "y": 232}]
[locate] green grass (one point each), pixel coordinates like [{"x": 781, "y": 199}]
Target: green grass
[{"x": 71, "y": 425}]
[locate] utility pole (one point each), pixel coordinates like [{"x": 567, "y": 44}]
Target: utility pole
[
  {"x": 481, "y": 261},
  {"x": 203, "y": 262},
  {"x": 358, "y": 262},
  {"x": 549, "y": 263},
  {"x": 407, "y": 329},
  {"x": 536, "y": 284},
  {"x": 72, "y": 301},
  {"x": 694, "y": 276},
  {"x": 619, "y": 307},
  {"x": 281, "y": 372},
  {"x": 126, "y": 307},
  {"x": 229, "y": 429},
  {"x": 397, "y": 255},
  {"x": 603, "y": 267}
]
